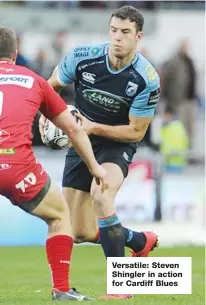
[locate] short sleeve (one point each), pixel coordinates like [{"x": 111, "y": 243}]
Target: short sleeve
[
  {"x": 66, "y": 70},
  {"x": 52, "y": 104},
  {"x": 145, "y": 103}
]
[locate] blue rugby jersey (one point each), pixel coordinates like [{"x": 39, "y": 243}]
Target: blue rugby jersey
[{"x": 107, "y": 96}]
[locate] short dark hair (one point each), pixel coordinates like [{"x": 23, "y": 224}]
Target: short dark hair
[
  {"x": 131, "y": 13},
  {"x": 8, "y": 43}
]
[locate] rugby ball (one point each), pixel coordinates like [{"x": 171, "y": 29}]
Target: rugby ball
[{"x": 55, "y": 138}]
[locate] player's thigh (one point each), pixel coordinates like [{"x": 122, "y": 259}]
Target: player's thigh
[
  {"x": 83, "y": 217},
  {"x": 116, "y": 160}
]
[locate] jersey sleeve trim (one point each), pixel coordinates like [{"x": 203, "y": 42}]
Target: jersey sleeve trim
[
  {"x": 63, "y": 84},
  {"x": 142, "y": 113},
  {"x": 145, "y": 103}
]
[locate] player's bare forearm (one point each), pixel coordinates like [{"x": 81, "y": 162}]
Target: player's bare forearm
[
  {"x": 133, "y": 132},
  {"x": 122, "y": 133}
]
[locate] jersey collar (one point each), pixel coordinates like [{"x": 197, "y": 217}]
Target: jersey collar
[{"x": 124, "y": 68}]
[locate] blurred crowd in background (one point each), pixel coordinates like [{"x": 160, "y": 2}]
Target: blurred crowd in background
[
  {"x": 180, "y": 99},
  {"x": 149, "y": 5}
]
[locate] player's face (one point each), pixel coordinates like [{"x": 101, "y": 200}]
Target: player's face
[{"x": 123, "y": 37}]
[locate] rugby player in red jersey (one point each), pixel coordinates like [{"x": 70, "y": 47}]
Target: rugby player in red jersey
[{"x": 22, "y": 179}]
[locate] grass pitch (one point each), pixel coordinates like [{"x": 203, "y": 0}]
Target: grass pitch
[{"x": 25, "y": 277}]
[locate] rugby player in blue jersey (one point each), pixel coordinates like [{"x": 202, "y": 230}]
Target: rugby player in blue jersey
[{"x": 117, "y": 91}]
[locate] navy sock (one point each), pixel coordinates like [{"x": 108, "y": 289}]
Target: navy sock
[
  {"x": 134, "y": 240},
  {"x": 112, "y": 236}
]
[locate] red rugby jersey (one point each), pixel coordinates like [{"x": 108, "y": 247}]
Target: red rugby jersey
[{"x": 22, "y": 94}]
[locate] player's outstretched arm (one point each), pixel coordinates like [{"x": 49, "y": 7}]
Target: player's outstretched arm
[
  {"x": 54, "y": 108},
  {"x": 82, "y": 145},
  {"x": 133, "y": 132}
]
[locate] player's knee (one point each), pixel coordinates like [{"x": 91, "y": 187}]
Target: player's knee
[
  {"x": 58, "y": 220},
  {"x": 104, "y": 204},
  {"x": 100, "y": 198}
]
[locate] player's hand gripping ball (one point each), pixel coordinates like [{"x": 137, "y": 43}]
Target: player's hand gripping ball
[{"x": 55, "y": 138}]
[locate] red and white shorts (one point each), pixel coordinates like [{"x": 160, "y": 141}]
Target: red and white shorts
[{"x": 25, "y": 185}]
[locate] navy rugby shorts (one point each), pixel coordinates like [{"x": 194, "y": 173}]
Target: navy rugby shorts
[{"x": 76, "y": 174}]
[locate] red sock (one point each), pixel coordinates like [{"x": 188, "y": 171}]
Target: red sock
[{"x": 59, "y": 250}]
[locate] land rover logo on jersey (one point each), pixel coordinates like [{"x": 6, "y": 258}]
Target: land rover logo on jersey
[
  {"x": 106, "y": 100},
  {"x": 131, "y": 89}
]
